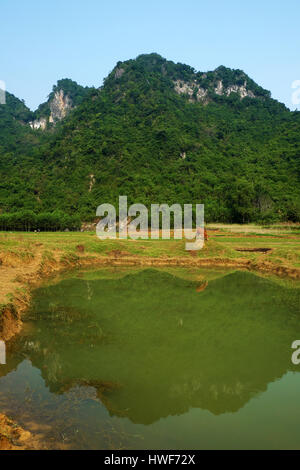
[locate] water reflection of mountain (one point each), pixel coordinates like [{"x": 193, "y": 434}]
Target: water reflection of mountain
[{"x": 166, "y": 347}]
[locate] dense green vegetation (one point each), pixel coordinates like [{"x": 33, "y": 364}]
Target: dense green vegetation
[
  {"x": 137, "y": 137},
  {"x": 26, "y": 221},
  {"x": 14, "y": 133}
]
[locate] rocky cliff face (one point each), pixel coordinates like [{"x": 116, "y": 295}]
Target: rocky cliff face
[
  {"x": 59, "y": 106},
  {"x": 197, "y": 93},
  {"x": 65, "y": 96}
]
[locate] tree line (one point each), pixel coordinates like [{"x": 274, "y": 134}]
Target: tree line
[{"x": 28, "y": 221}]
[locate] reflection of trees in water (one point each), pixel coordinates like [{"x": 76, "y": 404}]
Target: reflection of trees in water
[{"x": 233, "y": 340}]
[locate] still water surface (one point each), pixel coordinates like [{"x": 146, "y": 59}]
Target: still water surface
[{"x": 148, "y": 359}]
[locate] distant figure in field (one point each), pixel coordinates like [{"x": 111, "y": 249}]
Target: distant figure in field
[{"x": 202, "y": 232}]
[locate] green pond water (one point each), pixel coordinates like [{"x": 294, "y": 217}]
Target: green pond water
[{"x": 150, "y": 359}]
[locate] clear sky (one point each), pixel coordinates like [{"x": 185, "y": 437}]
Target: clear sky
[{"x": 42, "y": 41}]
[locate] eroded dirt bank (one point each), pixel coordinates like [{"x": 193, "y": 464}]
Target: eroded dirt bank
[{"x": 13, "y": 437}]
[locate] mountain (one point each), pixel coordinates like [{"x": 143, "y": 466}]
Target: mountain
[{"x": 158, "y": 132}]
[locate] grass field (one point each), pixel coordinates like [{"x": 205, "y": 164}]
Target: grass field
[{"x": 224, "y": 240}]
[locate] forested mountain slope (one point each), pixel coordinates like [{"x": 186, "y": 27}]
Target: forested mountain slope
[{"x": 157, "y": 132}]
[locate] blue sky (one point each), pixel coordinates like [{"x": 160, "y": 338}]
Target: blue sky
[{"x": 43, "y": 41}]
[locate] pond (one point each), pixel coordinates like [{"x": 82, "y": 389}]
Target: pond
[{"x": 151, "y": 359}]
